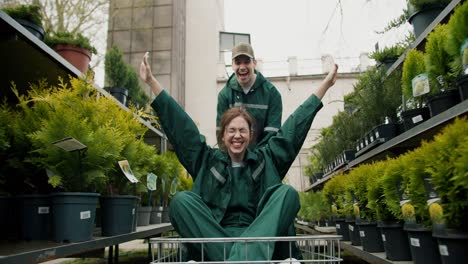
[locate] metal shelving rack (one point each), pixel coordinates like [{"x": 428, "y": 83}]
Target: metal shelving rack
[{"x": 412, "y": 138}]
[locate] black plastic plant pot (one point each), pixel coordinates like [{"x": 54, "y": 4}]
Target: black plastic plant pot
[
  {"x": 342, "y": 228},
  {"x": 118, "y": 214},
  {"x": 414, "y": 117},
  {"x": 8, "y": 221},
  {"x": 119, "y": 93},
  {"x": 353, "y": 233},
  {"x": 395, "y": 241},
  {"x": 371, "y": 239},
  {"x": 462, "y": 83},
  {"x": 348, "y": 155},
  {"x": 453, "y": 246},
  {"x": 385, "y": 131},
  {"x": 156, "y": 215},
  {"x": 165, "y": 215},
  {"x": 423, "y": 246},
  {"x": 442, "y": 101},
  {"x": 421, "y": 19},
  {"x": 35, "y": 217},
  {"x": 73, "y": 216},
  {"x": 33, "y": 28},
  {"x": 144, "y": 214}
]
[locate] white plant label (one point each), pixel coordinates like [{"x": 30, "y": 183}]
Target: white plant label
[
  {"x": 158, "y": 214},
  {"x": 351, "y": 227},
  {"x": 133, "y": 211},
  {"x": 43, "y": 210},
  {"x": 383, "y": 238},
  {"x": 420, "y": 85},
  {"x": 362, "y": 234},
  {"x": 443, "y": 250},
  {"x": 338, "y": 226},
  {"x": 417, "y": 119},
  {"x": 414, "y": 242},
  {"x": 85, "y": 215},
  {"x": 125, "y": 167}
]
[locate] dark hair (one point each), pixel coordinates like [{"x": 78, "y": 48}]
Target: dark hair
[{"x": 227, "y": 117}]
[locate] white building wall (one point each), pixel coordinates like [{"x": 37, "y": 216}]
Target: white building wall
[{"x": 204, "y": 21}]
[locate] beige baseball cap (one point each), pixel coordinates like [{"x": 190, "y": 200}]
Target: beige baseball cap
[{"x": 243, "y": 49}]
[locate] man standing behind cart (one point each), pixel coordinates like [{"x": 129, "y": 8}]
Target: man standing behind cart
[
  {"x": 237, "y": 192},
  {"x": 247, "y": 88}
]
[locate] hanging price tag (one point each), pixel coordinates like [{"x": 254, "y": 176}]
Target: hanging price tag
[
  {"x": 420, "y": 85},
  {"x": 125, "y": 167},
  {"x": 151, "y": 179}
]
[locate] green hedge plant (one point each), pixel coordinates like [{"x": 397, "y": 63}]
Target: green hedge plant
[
  {"x": 437, "y": 60},
  {"x": 447, "y": 165},
  {"x": 456, "y": 36},
  {"x": 75, "y": 110},
  {"x": 413, "y": 65}
]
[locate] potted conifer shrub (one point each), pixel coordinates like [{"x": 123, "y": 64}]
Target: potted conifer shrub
[
  {"x": 334, "y": 190},
  {"x": 371, "y": 239},
  {"x": 414, "y": 111},
  {"x": 457, "y": 47},
  {"x": 423, "y": 12},
  {"x": 29, "y": 16},
  {"x": 446, "y": 167},
  {"x": 422, "y": 244},
  {"x": 75, "y": 48},
  {"x": 443, "y": 94},
  {"x": 388, "y": 55},
  {"x": 116, "y": 74},
  {"x": 383, "y": 199}
]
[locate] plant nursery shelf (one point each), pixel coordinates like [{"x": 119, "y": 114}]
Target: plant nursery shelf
[
  {"x": 420, "y": 42},
  {"x": 27, "y": 60},
  {"x": 39, "y": 251},
  {"x": 377, "y": 258},
  {"x": 406, "y": 141}
]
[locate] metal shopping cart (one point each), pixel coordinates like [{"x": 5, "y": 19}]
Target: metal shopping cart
[{"x": 314, "y": 248}]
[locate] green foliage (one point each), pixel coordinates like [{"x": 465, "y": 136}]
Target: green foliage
[
  {"x": 456, "y": 35},
  {"x": 109, "y": 132},
  {"x": 135, "y": 93},
  {"x": 377, "y": 97},
  {"x": 413, "y": 66},
  {"x": 446, "y": 161},
  {"x": 396, "y": 22},
  {"x": 375, "y": 194},
  {"x": 437, "y": 60},
  {"x": 77, "y": 40},
  {"x": 388, "y": 53},
  {"x": 31, "y": 13},
  {"x": 314, "y": 206},
  {"x": 115, "y": 68},
  {"x": 414, "y": 165},
  {"x": 120, "y": 74},
  {"x": 335, "y": 189},
  {"x": 391, "y": 179},
  {"x": 421, "y": 4}
]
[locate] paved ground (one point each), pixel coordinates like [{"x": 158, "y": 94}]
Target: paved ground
[{"x": 131, "y": 245}]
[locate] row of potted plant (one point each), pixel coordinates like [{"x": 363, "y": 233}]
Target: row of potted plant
[
  {"x": 72, "y": 46},
  {"x": 419, "y": 197},
  {"x": 107, "y": 134},
  {"x": 407, "y": 97}
]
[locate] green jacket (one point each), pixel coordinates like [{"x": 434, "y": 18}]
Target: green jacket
[
  {"x": 263, "y": 102},
  {"x": 266, "y": 165}
]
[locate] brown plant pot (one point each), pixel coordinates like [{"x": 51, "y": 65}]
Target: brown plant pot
[{"x": 78, "y": 57}]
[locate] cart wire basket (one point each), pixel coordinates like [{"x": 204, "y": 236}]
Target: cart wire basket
[{"x": 314, "y": 248}]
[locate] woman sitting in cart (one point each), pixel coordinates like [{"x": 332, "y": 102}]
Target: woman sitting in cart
[{"x": 237, "y": 192}]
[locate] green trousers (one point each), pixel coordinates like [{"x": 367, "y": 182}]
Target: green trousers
[{"x": 276, "y": 211}]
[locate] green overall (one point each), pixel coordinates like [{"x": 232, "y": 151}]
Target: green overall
[
  {"x": 263, "y": 102},
  {"x": 227, "y": 201}
]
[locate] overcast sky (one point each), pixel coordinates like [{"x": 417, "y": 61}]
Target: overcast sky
[{"x": 309, "y": 28}]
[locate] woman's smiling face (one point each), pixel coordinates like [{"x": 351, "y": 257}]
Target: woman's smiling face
[{"x": 236, "y": 138}]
